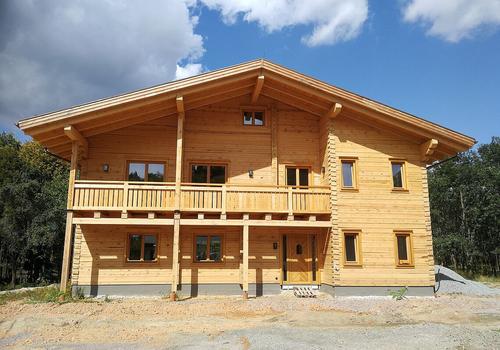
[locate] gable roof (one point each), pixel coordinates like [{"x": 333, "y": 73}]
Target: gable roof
[{"x": 280, "y": 83}]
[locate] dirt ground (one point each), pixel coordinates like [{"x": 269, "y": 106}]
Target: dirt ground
[{"x": 274, "y": 322}]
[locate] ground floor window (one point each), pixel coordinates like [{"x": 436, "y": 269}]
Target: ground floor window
[
  {"x": 208, "y": 248},
  {"x": 352, "y": 254},
  {"x": 142, "y": 247},
  {"x": 404, "y": 254}
]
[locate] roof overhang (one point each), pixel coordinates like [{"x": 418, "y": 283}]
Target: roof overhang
[{"x": 254, "y": 78}]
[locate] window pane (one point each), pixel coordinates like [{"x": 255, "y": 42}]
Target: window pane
[
  {"x": 215, "y": 248},
  {"x": 247, "y": 118},
  {"x": 259, "y": 118},
  {"x": 149, "y": 248},
  {"x": 156, "y": 172},
  {"x": 136, "y": 171},
  {"x": 397, "y": 175},
  {"x": 291, "y": 177},
  {"x": 350, "y": 248},
  {"x": 347, "y": 173},
  {"x": 402, "y": 248},
  {"x": 303, "y": 177},
  {"x": 199, "y": 174},
  {"x": 217, "y": 174},
  {"x": 201, "y": 248},
  {"x": 134, "y": 247}
]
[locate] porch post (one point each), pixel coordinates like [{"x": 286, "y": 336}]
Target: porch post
[
  {"x": 175, "y": 257},
  {"x": 245, "y": 256},
  {"x": 69, "y": 217}
]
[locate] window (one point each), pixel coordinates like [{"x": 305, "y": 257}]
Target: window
[
  {"x": 398, "y": 175},
  {"x": 208, "y": 173},
  {"x": 352, "y": 254},
  {"x": 142, "y": 247},
  {"x": 348, "y": 174},
  {"x": 146, "y": 171},
  {"x": 297, "y": 176},
  {"x": 208, "y": 248},
  {"x": 255, "y": 118},
  {"x": 404, "y": 256}
]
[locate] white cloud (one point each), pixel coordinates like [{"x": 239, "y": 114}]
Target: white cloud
[
  {"x": 332, "y": 20},
  {"x": 188, "y": 70},
  {"x": 453, "y": 20},
  {"x": 54, "y": 54}
]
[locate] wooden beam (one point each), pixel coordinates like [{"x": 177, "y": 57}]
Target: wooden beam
[
  {"x": 68, "y": 236},
  {"x": 246, "y": 230},
  {"x": 175, "y": 257},
  {"x": 334, "y": 111},
  {"x": 274, "y": 144},
  {"x": 427, "y": 149},
  {"x": 257, "y": 89},
  {"x": 179, "y": 101},
  {"x": 75, "y": 136},
  {"x": 178, "y": 161}
]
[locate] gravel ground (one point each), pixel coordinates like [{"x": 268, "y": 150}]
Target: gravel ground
[
  {"x": 448, "y": 281},
  {"x": 274, "y": 322}
]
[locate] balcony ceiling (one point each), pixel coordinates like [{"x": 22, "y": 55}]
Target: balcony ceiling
[{"x": 279, "y": 83}]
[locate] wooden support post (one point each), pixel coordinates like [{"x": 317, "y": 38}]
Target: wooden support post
[
  {"x": 175, "y": 257},
  {"x": 75, "y": 135},
  {"x": 178, "y": 159},
  {"x": 223, "y": 215},
  {"x": 274, "y": 143},
  {"x": 257, "y": 89},
  {"x": 290, "y": 203},
  {"x": 125, "y": 201},
  {"x": 69, "y": 218},
  {"x": 246, "y": 230}
]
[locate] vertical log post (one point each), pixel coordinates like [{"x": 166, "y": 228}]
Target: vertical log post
[
  {"x": 246, "y": 230},
  {"x": 69, "y": 217}
]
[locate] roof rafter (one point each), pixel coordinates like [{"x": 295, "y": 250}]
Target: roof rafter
[
  {"x": 75, "y": 136},
  {"x": 258, "y": 88}
]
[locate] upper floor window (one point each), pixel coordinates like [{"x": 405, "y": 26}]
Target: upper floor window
[
  {"x": 142, "y": 247},
  {"x": 348, "y": 174},
  {"x": 398, "y": 175},
  {"x": 297, "y": 176},
  {"x": 146, "y": 171},
  {"x": 253, "y": 118},
  {"x": 208, "y": 173}
]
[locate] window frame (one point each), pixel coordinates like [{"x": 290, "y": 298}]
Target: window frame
[
  {"x": 253, "y": 110},
  {"x": 409, "y": 263},
  {"x": 146, "y": 167},
  {"x": 355, "y": 178},
  {"x": 209, "y": 235},
  {"x": 208, "y": 165},
  {"x": 357, "y": 246},
  {"x": 141, "y": 260},
  {"x": 403, "y": 174},
  {"x": 297, "y": 175}
]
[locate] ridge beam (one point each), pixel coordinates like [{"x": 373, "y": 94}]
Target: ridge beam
[
  {"x": 334, "y": 111},
  {"x": 74, "y": 135},
  {"x": 257, "y": 89},
  {"x": 427, "y": 149}
]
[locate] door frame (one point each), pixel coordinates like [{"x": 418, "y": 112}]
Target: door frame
[{"x": 313, "y": 256}]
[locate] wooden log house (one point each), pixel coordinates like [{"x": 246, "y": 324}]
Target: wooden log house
[{"x": 245, "y": 180}]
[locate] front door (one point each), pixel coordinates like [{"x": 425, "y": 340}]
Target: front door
[{"x": 299, "y": 259}]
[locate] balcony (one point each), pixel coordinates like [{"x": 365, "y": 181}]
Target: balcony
[{"x": 90, "y": 195}]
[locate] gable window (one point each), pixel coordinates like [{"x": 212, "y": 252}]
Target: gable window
[
  {"x": 398, "y": 175},
  {"x": 146, "y": 171},
  {"x": 255, "y": 118},
  {"x": 208, "y": 173},
  {"x": 404, "y": 254},
  {"x": 208, "y": 248},
  {"x": 142, "y": 247},
  {"x": 297, "y": 176},
  {"x": 351, "y": 248},
  {"x": 348, "y": 173}
]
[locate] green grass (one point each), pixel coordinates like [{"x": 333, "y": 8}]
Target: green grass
[{"x": 49, "y": 294}]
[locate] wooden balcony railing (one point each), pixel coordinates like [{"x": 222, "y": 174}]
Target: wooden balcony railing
[{"x": 160, "y": 196}]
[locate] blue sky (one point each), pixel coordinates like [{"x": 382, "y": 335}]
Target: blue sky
[{"x": 448, "y": 78}]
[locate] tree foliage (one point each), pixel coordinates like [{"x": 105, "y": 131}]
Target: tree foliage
[
  {"x": 33, "y": 187},
  {"x": 465, "y": 210}
]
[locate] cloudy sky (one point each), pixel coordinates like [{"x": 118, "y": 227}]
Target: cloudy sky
[{"x": 436, "y": 59}]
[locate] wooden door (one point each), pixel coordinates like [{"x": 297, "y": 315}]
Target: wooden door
[{"x": 299, "y": 259}]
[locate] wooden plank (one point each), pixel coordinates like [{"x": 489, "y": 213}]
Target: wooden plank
[{"x": 257, "y": 89}]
